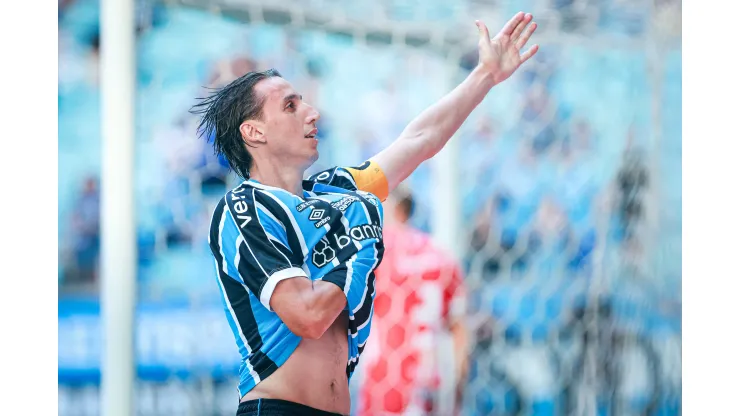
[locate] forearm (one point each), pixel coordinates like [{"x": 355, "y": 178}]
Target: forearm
[
  {"x": 436, "y": 125},
  {"x": 427, "y": 134},
  {"x": 308, "y": 307},
  {"x": 460, "y": 341},
  {"x": 324, "y": 302}
]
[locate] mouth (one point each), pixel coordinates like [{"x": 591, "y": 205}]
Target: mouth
[{"x": 312, "y": 134}]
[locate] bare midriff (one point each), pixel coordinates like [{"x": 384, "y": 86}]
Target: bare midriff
[{"x": 314, "y": 375}]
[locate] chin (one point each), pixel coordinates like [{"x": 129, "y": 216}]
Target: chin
[{"x": 310, "y": 160}]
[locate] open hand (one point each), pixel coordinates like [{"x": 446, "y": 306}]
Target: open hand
[{"x": 501, "y": 56}]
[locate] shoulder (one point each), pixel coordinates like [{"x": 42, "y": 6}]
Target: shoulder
[
  {"x": 217, "y": 219},
  {"x": 336, "y": 176},
  {"x": 236, "y": 201},
  {"x": 250, "y": 208},
  {"x": 368, "y": 177},
  {"x": 239, "y": 203},
  {"x": 251, "y": 194}
]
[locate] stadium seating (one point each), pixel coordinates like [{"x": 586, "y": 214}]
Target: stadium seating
[{"x": 530, "y": 283}]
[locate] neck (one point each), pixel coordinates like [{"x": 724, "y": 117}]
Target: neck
[{"x": 288, "y": 178}]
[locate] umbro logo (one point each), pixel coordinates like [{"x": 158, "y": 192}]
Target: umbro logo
[
  {"x": 319, "y": 217},
  {"x": 316, "y": 215}
]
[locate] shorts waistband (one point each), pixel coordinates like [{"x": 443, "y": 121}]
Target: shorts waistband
[{"x": 277, "y": 407}]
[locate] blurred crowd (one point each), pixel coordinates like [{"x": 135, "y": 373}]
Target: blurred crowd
[
  {"x": 555, "y": 169},
  {"x": 537, "y": 167}
]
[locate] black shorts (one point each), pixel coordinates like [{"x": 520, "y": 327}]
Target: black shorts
[{"x": 275, "y": 407}]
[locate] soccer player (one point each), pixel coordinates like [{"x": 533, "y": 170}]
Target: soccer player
[
  {"x": 295, "y": 258},
  {"x": 420, "y": 298}
]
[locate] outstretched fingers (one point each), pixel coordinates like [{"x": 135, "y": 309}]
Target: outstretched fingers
[
  {"x": 529, "y": 53},
  {"x": 524, "y": 38},
  {"x": 508, "y": 29},
  {"x": 520, "y": 26}
]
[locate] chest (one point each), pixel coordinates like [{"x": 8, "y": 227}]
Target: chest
[
  {"x": 322, "y": 213},
  {"x": 336, "y": 225}
]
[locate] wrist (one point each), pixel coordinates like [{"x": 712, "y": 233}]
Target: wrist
[{"x": 483, "y": 76}]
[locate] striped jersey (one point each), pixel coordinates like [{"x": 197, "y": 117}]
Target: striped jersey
[{"x": 260, "y": 235}]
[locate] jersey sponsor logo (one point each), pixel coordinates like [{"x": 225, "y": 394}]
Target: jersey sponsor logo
[
  {"x": 302, "y": 206},
  {"x": 344, "y": 203},
  {"x": 366, "y": 231},
  {"x": 240, "y": 208},
  {"x": 244, "y": 220},
  {"x": 358, "y": 233},
  {"x": 323, "y": 253},
  {"x": 326, "y": 249}
]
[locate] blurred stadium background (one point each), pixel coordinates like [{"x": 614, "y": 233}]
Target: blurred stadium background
[{"x": 568, "y": 176}]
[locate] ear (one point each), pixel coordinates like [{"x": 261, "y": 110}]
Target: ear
[{"x": 253, "y": 132}]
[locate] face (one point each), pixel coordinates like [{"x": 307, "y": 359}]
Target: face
[{"x": 288, "y": 127}]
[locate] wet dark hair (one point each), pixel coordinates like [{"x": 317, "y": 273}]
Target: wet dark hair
[{"x": 225, "y": 110}]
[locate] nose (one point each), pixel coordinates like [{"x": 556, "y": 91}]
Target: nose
[{"x": 313, "y": 115}]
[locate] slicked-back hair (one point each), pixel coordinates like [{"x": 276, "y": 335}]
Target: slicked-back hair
[{"x": 225, "y": 110}]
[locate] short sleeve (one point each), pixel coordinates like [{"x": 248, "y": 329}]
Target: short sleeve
[
  {"x": 368, "y": 177},
  {"x": 252, "y": 245}
]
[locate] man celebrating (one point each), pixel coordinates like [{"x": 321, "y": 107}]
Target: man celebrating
[{"x": 295, "y": 258}]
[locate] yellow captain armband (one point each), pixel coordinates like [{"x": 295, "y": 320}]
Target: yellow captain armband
[{"x": 369, "y": 177}]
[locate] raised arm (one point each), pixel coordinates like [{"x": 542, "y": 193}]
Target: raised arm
[{"x": 428, "y": 133}]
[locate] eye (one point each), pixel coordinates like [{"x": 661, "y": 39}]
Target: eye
[{"x": 291, "y": 105}]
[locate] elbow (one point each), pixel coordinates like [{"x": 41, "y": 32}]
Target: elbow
[
  {"x": 313, "y": 332},
  {"x": 314, "y": 311},
  {"x": 317, "y": 323},
  {"x": 309, "y": 325}
]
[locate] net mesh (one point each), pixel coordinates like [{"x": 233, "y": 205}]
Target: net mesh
[{"x": 568, "y": 177}]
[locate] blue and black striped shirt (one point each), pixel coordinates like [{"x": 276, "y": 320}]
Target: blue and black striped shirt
[{"x": 261, "y": 235}]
